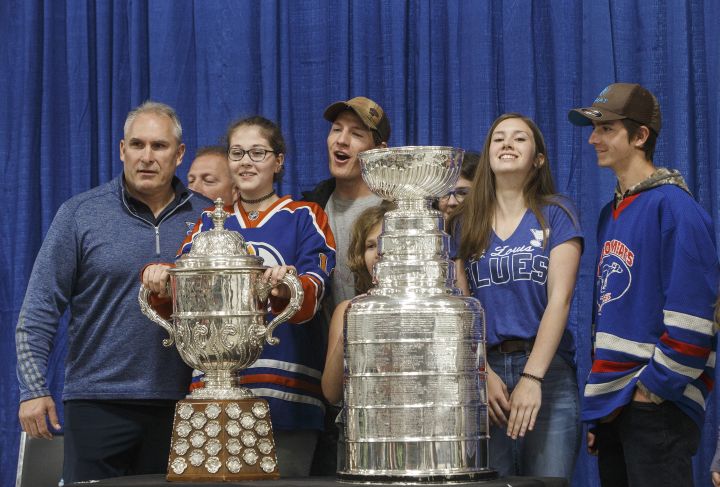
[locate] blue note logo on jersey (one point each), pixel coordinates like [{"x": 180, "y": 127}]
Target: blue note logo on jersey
[
  {"x": 614, "y": 272},
  {"x": 538, "y": 237}
]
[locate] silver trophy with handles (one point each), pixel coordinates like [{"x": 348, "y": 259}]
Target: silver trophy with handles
[{"x": 222, "y": 431}]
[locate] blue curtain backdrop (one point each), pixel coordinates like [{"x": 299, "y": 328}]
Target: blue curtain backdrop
[{"x": 443, "y": 70}]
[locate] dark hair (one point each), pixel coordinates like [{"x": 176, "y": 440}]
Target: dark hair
[
  {"x": 632, "y": 127},
  {"x": 215, "y": 150},
  {"x": 467, "y": 171},
  {"x": 269, "y": 130},
  {"x": 469, "y": 165},
  {"x": 356, "y": 250},
  {"x": 476, "y": 212},
  {"x": 377, "y": 138}
]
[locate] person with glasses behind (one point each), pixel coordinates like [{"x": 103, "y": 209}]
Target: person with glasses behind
[
  {"x": 288, "y": 235},
  {"x": 518, "y": 245},
  {"x": 450, "y": 201}
]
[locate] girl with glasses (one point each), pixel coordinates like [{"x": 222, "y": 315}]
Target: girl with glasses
[
  {"x": 288, "y": 235},
  {"x": 448, "y": 203}
]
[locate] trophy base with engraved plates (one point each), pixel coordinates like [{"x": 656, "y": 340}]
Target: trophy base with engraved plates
[{"x": 222, "y": 440}]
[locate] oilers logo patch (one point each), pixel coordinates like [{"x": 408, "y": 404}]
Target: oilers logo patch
[
  {"x": 614, "y": 273},
  {"x": 271, "y": 256}
]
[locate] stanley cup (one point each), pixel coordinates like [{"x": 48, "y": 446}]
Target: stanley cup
[
  {"x": 415, "y": 394},
  {"x": 221, "y": 431}
]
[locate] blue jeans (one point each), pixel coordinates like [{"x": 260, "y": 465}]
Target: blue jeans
[{"x": 551, "y": 448}]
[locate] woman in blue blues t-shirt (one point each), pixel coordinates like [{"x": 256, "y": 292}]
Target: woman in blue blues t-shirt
[{"x": 519, "y": 245}]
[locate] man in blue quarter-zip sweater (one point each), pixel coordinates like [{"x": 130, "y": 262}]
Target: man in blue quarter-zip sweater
[
  {"x": 656, "y": 283},
  {"x": 121, "y": 384}
]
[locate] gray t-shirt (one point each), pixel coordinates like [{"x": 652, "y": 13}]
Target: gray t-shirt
[{"x": 342, "y": 215}]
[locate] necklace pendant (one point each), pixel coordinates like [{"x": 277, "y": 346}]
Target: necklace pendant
[{"x": 253, "y": 215}]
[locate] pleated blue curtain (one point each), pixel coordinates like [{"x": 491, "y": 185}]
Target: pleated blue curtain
[{"x": 443, "y": 70}]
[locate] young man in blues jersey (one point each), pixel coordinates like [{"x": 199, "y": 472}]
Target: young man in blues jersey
[{"x": 656, "y": 282}]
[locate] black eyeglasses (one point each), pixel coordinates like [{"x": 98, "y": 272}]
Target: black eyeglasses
[
  {"x": 256, "y": 154},
  {"x": 458, "y": 193}
]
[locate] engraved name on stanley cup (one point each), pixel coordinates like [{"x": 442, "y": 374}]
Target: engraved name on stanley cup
[
  {"x": 415, "y": 394},
  {"x": 220, "y": 304}
]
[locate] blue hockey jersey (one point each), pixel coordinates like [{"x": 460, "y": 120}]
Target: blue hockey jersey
[{"x": 656, "y": 283}]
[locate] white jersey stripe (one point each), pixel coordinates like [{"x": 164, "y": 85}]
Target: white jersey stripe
[
  {"x": 711, "y": 360},
  {"x": 689, "y": 322},
  {"x": 280, "y": 206},
  {"x": 607, "y": 341},
  {"x": 314, "y": 221},
  {"x": 288, "y": 396},
  {"x": 238, "y": 214},
  {"x": 287, "y": 366},
  {"x": 612, "y": 386},
  {"x": 694, "y": 394},
  {"x": 671, "y": 364}
]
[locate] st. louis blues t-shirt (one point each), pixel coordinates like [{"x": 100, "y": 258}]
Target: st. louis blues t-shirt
[{"x": 510, "y": 277}]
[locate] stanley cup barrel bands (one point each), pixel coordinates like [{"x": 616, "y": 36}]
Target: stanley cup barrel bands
[{"x": 415, "y": 394}]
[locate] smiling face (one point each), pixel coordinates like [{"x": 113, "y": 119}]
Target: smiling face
[
  {"x": 150, "y": 153},
  {"x": 371, "y": 247},
  {"x": 347, "y": 138},
  {"x": 253, "y": 179},
  {"x": 611, "y": 143},
  {"x": 512, "y": 149},
  {"x": 210, "y": 176}
]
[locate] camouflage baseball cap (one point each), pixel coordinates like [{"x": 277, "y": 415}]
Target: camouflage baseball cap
[
  {"x": 619, "y": 101},
  {"x": 371, "y": 114}
]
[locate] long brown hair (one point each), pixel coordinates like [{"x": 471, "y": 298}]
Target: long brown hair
[
  {"x": 478, "y": 209},
  {"x": 356, "y": 251}
]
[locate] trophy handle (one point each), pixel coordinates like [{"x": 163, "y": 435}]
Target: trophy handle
[
  {"x": 296, "y": 298},
  {"x": 147, "y": 310}
]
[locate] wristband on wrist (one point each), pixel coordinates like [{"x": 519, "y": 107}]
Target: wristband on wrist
[{"x": 535, "y": 378}]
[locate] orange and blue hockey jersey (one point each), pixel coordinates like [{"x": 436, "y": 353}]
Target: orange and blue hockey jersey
[{"x": 288, "y": 375}]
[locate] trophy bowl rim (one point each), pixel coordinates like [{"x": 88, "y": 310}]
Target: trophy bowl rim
[
  {"x": 371, "y": 163},
  {"x": 411, "y": 148},
  {"x": 218, "y": 262}
]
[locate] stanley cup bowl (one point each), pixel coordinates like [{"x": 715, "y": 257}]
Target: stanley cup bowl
[
  {"x": 411, "y": 172},
  {"x": 220, "y": 304}
]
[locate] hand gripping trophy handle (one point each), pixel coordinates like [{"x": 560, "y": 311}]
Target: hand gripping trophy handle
[
  {"x": 147, "y": 310},
  {"x": 296, "y": 298}
]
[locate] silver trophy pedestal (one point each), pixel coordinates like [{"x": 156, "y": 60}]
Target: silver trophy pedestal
[{"x": 415, "y": 398}]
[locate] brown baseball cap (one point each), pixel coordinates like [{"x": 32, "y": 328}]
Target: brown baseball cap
[
  {"x": 619, "y": 101},
  {"x": 371, "y": 114}
]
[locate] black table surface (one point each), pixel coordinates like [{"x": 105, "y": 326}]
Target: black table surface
[{"x": 159, "y": 480}]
